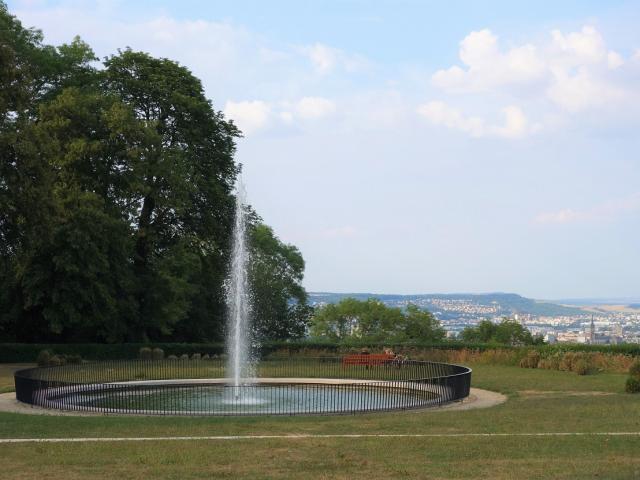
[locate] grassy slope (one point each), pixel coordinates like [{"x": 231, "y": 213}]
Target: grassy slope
[{"x": 540, "y": 401}]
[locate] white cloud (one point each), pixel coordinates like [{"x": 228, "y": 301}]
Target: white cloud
[
  {"x": 314, "y": 107},
  {"x": 250, "y": 116},
  {"x": 570, "y": 73},
  {"x": 603, "y": 212},
  {"x": 583, "y": 90},
  {"x": 326, "y": 59},
  {"x": 577, "y": 60},
  {"x": 286, "y": 117},
  {"x": 565, "y": 215},
  {"x": 253, "y": 115},
  {"x": 515, "y": 123},
  {"x": 578, "y": 48},
  {"x": 488, "y": 67},
  {"x": 614, "y": 60},
  {"x": 439, "y": 113}
]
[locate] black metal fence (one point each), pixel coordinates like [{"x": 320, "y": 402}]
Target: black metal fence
[{"x": 279, "y": 386}]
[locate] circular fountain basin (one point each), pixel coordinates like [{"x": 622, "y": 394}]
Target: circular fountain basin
[{"x": 281, "y": 387}]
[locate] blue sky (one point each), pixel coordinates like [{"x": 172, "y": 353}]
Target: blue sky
[{"x": 413, "y": 146}]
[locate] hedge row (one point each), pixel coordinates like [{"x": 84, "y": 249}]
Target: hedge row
[
  {"x": 22, "y": 352},
  {"x": 27, "y": 352}
]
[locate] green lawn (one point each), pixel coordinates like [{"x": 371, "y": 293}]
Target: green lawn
[
  {"x": 6, "y": 375},
  {"x": 539, "y": 401}
]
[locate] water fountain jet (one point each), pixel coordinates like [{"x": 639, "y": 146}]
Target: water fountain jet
[{"x": 239, "y": 297}]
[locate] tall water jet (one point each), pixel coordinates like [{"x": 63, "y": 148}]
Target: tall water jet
[{"x": 239, "y": 297}]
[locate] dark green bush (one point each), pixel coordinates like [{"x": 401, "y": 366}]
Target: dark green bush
[
  {"x": 44, "y": 358},
  {"x": 634, "y": 369},
  {"x": 632, "y": 385}
]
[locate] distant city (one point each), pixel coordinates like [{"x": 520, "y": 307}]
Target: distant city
[{"x": 590, "y": 321}]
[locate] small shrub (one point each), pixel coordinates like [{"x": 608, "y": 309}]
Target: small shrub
[
  {"x": 157, "y": 354},
  {"x": 184, "y": 356},
  {"x": 531, "y": 360},
  {"x": 634, "y": 369},
  {"x": 44, "y": 358},
  {"x": 632, "y": 385},
  {"x": 566, "y": 362},
  {"x": 145, "y": 353},
  {"x": 580, "y": 366},
  {"x": 551, "y": 362},
  {"x": 196, "y": 356},
  {"x": 206, "y": 356},
  {"x": 172, "y": 357}
]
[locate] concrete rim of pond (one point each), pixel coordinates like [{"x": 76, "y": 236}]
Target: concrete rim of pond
[{"x": 477, "y": 399}]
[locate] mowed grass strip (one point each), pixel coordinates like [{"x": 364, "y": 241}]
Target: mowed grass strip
[{"x": 436, "y": 458}]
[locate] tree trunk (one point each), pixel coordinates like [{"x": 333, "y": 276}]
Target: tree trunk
[{"x": 143, "y": 249}]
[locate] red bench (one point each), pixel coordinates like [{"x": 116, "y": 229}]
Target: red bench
[{"x": 369, "y": 360}]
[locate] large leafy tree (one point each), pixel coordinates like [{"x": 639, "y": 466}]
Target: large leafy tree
[
  {"x": 116, "y": 201},
  {"x": 75, "y": 278},
  {"x": 30, "y": 74},
  {"x": 280, "y": 308},
  {"x": 179, "y": 198},
  {"x": 372, "y": 320}
]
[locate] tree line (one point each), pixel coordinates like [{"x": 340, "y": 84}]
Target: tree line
[
  {"x": 371, "y": 320},
  {"x": 116, "y": 202}
]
